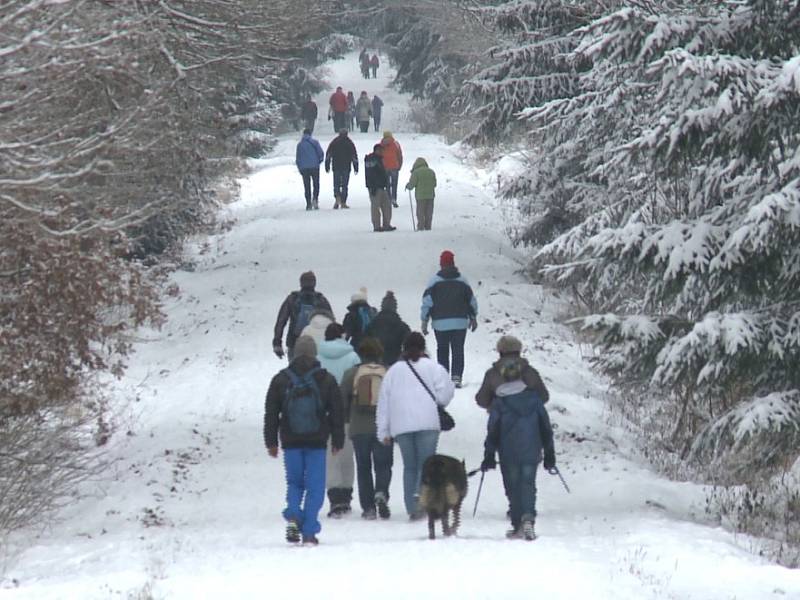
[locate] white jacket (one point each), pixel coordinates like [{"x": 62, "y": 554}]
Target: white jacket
[
  {"x": 316, "y": 328},
  {"x": 404, "y": 405}
]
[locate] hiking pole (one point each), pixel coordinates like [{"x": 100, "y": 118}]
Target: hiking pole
[
  {"x": 411, "y": 205},
  {"x": 555, "y": 471},
  {"x": 478, "y": 496}
]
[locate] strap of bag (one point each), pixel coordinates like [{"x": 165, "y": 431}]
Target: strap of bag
[{"x": 425, "y": 385}]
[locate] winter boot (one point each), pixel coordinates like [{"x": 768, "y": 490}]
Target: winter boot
[
  {"x": 515, "y": 533},
  {"x": 316, "y": 203},
  {"x": 292, "y": 532},
  {"x": 336, "y": 203},
  {"x": 457, "y": 381},
  {"x": 310, "y": 540},
  {"x": 369, "y": 514},
  {"x": 382, "y": 505},
  {"x": 528, "y": 531}
]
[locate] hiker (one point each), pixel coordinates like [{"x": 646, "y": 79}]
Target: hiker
[
  {"x": 296, "y": 311},
  {"x": 377, "y": 180},
  {"x": 510, "y": 361},
  {"x": 304, "y": 408},
  {"x": 308, "y": 157},
  {"x": 363, "y": 56},
  {"x": 452, "y": 307},
  {"x": 363, "y": 61},
  {"x": 337, "y": 356},
  {"x": 374, "y": 63},
  {"x": 358, "y": 318},
  {"x": 423, "y": 182},
  {"x": 519, "y": 429},
  {"x": 308, "y": 113},
  {"x": 338, "y": 109},
  {"x": 351, "y": 111},
  {"x": 317, "y": 324},
  {"x": 360, "y": 390},
  {"x": 407, "y": 412},
  {"x": 377, "y": 109},
  {"x": 341, "y": 154},
  {"x": 392, "y": 162},
  {"x": 389, "y": 329},
  {"x": 363, "y": 112}
]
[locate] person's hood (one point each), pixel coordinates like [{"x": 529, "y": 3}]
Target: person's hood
[
  {"x": 307, "y": 136},
  {"x": 356, "y": 304},
  {"x": 508, "y": 358},
  {"x": 523, "y": 404},
  {"x": 303, "y": 364},
  {"x": 419, "y": 163},
  {"x": 449, "y": 273},
  {"x": 334, "y": 349},
  {"x": 319, "y": 322}
]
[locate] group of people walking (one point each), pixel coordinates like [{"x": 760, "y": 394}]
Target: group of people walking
[
  {"x": 353, "y": 390},
  {"x": 347, "y": 112},
  {"x": 368, "y": 64}
]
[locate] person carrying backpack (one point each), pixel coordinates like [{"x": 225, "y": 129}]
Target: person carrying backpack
[
  {"x": 519, "y": 430},
  {"x": 377, "y": 181},
  {"x": 389, "y": 329},
  {"x": 336, "y": 356},
  {"x": 392, "y": 161},
  {"x": 360, "y": 388},
  {"x": 341, "y": 154},
  {"x": 423, "y": 182},
  {"x": 303, "y": 409},
  {"x": 358, "y": 318},
  {"x": 296, "y": 310}
]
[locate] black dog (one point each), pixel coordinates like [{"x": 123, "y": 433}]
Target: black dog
[{"x": 444, "y": 486}]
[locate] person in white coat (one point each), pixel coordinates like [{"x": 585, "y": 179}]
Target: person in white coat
[
  {"x": 407, "y": 412},
  {"x": 317, "y": 324},
  {"x": 336, "y": 356}
]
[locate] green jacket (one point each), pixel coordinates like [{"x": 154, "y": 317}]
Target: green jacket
[{"x": 422, "y": 181}]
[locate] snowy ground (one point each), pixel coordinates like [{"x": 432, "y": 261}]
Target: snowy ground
[{"x": 191, "y": 508}]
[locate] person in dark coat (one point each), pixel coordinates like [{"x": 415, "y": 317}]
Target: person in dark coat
[
  {"x": 303, "y": 453},
  {"x": 389, "y": 329},
  {"x": 450, "y": 304},
  {"x": 358, "y": 318},
  {"x": 308, "y": 113},
  {"x": 374, "y": 63},
  {"x": 308, "y": 158},
  {"x": 341, "y": 154},
  {"x": 519, "y": 430},
  {"x": 509, "y": 348},
  {"x": 377, "y": 109},
  {"x": 377, "y": 181},
  {"x": 296, "y": 310}
]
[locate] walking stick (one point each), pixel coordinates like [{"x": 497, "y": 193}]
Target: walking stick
[
  {"x": 478, "y": 496},
  {"x": 555, "y": 471},
  {"x": 411, "y": 204}
]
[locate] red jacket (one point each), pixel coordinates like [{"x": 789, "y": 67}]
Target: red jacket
[
  {"x": 338, "y": 102},
  {"x": 392, "y": 154}
]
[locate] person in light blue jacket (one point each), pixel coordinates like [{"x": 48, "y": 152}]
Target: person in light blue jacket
[
  {"x": 336, "y": 356},
  {"x": 308, "y": 158}
]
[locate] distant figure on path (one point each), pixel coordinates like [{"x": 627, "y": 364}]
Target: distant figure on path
[
  {"x": 341, "y": 154},
  {"x": 309, "y": 113},
  {"x": 392, "y": 162},
  {"x": 377, "y": 182},
  {"x": 338, "y": 109},
  {"x": 423, "y": 182},
  {"x": 374, "y": 63},
  {"x": 377, "y": 109},
  {"x": 308, "y": 157},
  {"x": 363, "y": 112}
]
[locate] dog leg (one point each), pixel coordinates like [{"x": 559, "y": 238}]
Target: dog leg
[
  {"x": 431, "y": 527},
  {"x": 456, "y": 518},
  {"x": 445, "y": 526}
]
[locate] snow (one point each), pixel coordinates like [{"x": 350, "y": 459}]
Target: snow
[{"x": 190, "y": 507}]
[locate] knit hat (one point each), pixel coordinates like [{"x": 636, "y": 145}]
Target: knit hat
[
  {"x": 360, "y": 295},
  {"x": 305, "y": 346},
  {"x": 508, "y": 344},
  {"x": 387, "y": 134},
  {"x": 389, "y": 302},
  {"x": 308, "y": 280},
  {"x": 447, "y": 259}
]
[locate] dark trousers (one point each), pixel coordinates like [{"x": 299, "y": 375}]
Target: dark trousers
[
  {"x": 377, "y": 120},
  {"x": 520, "y": 483},
  {"x": 310, "y": 176},
  {"x": 340, "y": 181},
  {"x": 370, "y": 453},
  {"x": 363, "y": 126},
  {"x": 447, "y": 341},
  {"x": 310, "y": 123},
  {"x": 392, "y": 175},
  {"x": 339, "y": 121}
]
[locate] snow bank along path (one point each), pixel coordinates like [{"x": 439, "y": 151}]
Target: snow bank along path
[{"x": 192, "y": 507}]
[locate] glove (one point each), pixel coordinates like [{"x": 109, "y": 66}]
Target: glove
[
  {"x": 278, "y": 350},
  {"x": 273, "y": 451},
  {"x": 355, "y": 170},
  {"x": 327, "y": 168},
  {"x": 329, "y": 116},
  {"x": 488, "y": 463},
  {"x": 549, "y": 461},
  {"x": 424, "y": 328},
  {"x": 473, "y": 323}
]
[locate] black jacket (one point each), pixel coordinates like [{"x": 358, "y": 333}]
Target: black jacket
[
  {"x": 332, "y": 417},
  {"x": 391, "y": 330},
  {"x": 374, "y": 173},
  {"x": 288, "y": 313},
  {"x": 341, "y": 153},
  {"x": 493, "y": 379},
  {"x": 309, "y": 110},
  {"x": 353, "y": 327}
]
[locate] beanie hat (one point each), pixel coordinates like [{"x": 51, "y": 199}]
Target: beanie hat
[
  {"x": 308, "y": 280},
  {"x": 389, "y": 302},
  {"x": 305, "y": 346},
  {"x": 508, "y": 344},
  {"x": 447, "y": 259},
  {"x": 370, "y": 349},
  {"x": 387, "y": 134},
  {"x": 360, "y": 295}
]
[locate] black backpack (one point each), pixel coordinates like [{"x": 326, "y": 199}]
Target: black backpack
[{"x": 302, "y": 404}]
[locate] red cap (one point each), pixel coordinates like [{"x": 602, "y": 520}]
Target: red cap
[{"x": 447, "y": 259}]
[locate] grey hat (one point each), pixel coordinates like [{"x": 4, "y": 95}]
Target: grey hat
[
  {"x": 305, "y": 346},
  {"x": 508, "y": 344}
]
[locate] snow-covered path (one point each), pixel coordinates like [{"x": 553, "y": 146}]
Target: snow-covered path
[{"x": 191, "y": 509}]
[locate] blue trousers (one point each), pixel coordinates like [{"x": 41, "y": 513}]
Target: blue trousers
[
  {"x": 372, "y": 453},
  {"x": 520, "y": 483},
  {"x": 340, "y": 181},
  {"x": 415, "y": 448},
  {"x": 305, "y": 487}
]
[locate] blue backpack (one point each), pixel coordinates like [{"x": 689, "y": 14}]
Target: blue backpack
[
  {"x": 302, "y": 404},
  {"x": 302, "y": 318},
  {"x": 365, "y": 314}
]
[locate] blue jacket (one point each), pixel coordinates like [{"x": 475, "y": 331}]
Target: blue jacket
[
  {"x": 336, "y": 356},
  {"x": 519, "y": 428},
  {"x": 377, "y": 106},
  {"x": 309, "y": 153},
  {"x": 448, "y": 301}
]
